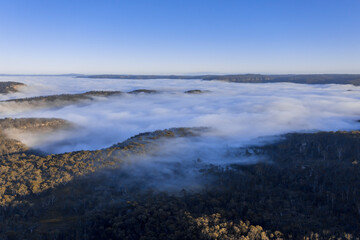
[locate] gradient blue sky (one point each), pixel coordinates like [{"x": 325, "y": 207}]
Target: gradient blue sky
[{"x": 179, "y": 36}]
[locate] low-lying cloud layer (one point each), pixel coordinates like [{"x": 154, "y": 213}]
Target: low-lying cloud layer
[{"x": 238, "y": 114}]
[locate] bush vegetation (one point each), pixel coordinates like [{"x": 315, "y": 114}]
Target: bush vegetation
[
  {"x": 8, "y": 87},
  {"x": 308, "y": 189}
]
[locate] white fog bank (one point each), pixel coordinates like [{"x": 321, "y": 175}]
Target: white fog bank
[{"x": 236, "y": 113}]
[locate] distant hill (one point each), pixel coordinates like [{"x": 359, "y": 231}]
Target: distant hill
[
  {"x": 33, "y": 124},
  {"x": 7, "y": 87},
  {"x": 11, "y": 146},
  {"x": 66, "y": 97},
  {"x": 251, "y": 78},
  {"x": 60, "y": 100}
]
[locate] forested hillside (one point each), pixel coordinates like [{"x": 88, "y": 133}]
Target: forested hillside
[
  {"x": 11, "y": 146},
  {"x": 24, "y": 173},
  {"x": 60, "y": 100},
  {"x": 7, "y": 87},
  {"x": 307, "y": 189},
  {"x": 252, "y": 78}
]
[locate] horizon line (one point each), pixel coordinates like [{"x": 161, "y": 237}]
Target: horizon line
[{"x": 169, "y": 74}]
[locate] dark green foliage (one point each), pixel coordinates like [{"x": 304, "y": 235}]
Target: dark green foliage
[
  {"x": 7, "y": 87},
  {"x": 60, "y": 100},
  {"x": 24, "y": 173},
  {"x": 142, "y": 91},
  {"x": 67, "y": 97},
  {"x": 33, "y": 124},
  {"x": 307, "y": 190},
  {"x": 195, "y": 91},
  {"x": 11, "y": 146}
]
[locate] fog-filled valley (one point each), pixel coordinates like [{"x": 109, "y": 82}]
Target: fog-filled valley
[
  {"x": 236, "y": 113},
  {"x": 89, "y": 158}
]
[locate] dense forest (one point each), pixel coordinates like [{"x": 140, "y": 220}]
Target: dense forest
[
  {"x": 65, "y": 98},
  {"x": 308, "y": 188},
  {"x": 57, "y": 101},
  {"x": 62, "y": 100},
  {"x": 196, "y": 91},
  {"x": 252, "y": 78},
  {"x": 25, "y": 172},
  {"x": 10, "y": 146},
  {"x": 303, "y": 186},
  {"x": 7, "y": 87},
  {"x": 33, "y": 124}
]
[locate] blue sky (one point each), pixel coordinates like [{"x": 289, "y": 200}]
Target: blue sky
[{"x": 179, "y": 36}]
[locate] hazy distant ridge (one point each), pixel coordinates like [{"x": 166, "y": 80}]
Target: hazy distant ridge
[{"x": 251, "y": 78}]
